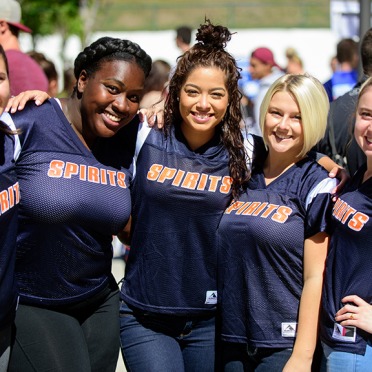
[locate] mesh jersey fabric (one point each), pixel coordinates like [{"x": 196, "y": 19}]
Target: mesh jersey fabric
[
  {"x": 348, "y": 268},
  {"x": 178, "y": 199},
  {"x": 260, "y": 252},
  {"x": 71, "y": 206},
  {"x": 9, "y": 199}
]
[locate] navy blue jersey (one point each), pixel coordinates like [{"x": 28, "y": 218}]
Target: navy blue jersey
[
  {"x": 349, "y": 263},
  {"x": 178, "y": 199},
  {"x": 261, "y": 243},
  {"x": 71, "y": 206},
  {"x": 9, "y": 199}
]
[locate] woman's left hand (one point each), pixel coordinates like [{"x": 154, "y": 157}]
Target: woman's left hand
[{"x": 356, "y": 312}]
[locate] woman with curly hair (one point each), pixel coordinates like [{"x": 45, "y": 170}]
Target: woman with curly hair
[
  {"x": 185, "y": 175},
  {"x": 75, "y": 196}
]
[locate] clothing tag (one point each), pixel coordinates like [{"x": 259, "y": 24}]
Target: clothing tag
[
  {"x": 347, "y": 333},
  {"x": 211, "y": 298},
  {"x": 289, "y": 329}
]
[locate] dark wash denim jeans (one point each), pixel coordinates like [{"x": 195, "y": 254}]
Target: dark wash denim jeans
[
  {"x": 240, "y": 358},
  {"x": 166, "y": 343}
]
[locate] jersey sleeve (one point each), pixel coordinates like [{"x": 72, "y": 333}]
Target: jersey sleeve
[
  {"x": 7, "y": 120},
  {"x": 319, "y": 207},
  {"x": 143, "y": 131}
]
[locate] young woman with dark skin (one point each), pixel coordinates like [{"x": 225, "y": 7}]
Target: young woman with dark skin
[{"x": 75, "y": 197}]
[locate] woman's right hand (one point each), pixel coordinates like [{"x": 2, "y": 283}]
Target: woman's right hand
[{"x": 18, "y": 102}]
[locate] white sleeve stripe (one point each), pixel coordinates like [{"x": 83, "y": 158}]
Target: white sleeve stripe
[
  {"x": 323, "y": 187},
  {"x": 249, "y": 148},
  {"x": 6, "y": 119},
  {"x": 143, "y": 132}
]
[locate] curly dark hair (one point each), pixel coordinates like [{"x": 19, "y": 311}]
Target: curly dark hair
[
  {"x": 110, "y": 49},
  {"x": 209, "y": 52}
]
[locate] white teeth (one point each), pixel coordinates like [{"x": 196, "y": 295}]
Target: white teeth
[
  {"x": 201, "y": 116},
  {"x": 112, "y": 117},
  {"x": 282, "y": 136}
]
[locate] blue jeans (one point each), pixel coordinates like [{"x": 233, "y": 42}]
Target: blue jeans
[
  {"x": 242, "y": 358},
  {"x": 338, "y": 361},
  {"x": 162, "y": 343}
]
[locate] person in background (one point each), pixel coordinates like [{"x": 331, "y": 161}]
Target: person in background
[
  {"x": 185, "y": 175},
  {"x": 69, "y": 81},
  {"x": 49, "y": 70},
  {"x": 10, "y": 196},
  {"x": 24, "y": 72},
  {"x": 265, "y": 70},
  {"x": 156, "y": 84},
  {"x": 346, "y": 75},
  {"x": 294, "y": 62},
  {"x": 273, "y": 240},
  {"x": 346, "y": 317},
  {"x": 339, "y": 142},
  {"x": 75, "y": 197},
  {"x": 183, "y": 38}
]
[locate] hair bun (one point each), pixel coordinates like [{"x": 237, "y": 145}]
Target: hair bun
[{"x": 213, "y": 36}]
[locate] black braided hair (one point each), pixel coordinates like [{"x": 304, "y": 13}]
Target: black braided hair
[
  {"x": 209, "y": 51},
  {"x": 110, "y": 49}
]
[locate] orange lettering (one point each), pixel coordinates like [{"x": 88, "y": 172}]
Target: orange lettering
[
  {"x": 347, "y": 214},
  {"x": 282, "y": 214},
  {"x": 166, "y": 174},
  {"x": 56, "y": 168},
  {"x": 213, "y": 183},
  {"x": 4, "y": 201},
  {"x": 234, "y": 206},
  {"x": 251, "y": 208},
  {"x": 154, "y": 172},
  {"x": 121, "y": 180},
  {"x": 83, "y": 172},
  {"x": 70, "y": 169},
  {"x": 203, "y": 181},
  {"x": 190, "y": 181},
  {"x": 177, "y": 180},
  {"x": 259, "y": 209},
  {"x": 93, "y": 174},
  {"x": 270, "y": 208},
  {"x": 358, "y": 221},
  {"x": 226, "y": 185}
]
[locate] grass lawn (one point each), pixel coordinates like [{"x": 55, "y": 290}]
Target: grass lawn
[{"x": 125, "y": 15}]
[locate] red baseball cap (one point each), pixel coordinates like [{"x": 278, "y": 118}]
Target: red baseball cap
[
  {"x": 265, "y": 55},
  {"x": 10, "y": 12}
]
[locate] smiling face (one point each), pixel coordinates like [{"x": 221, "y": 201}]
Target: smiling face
[
  {"x": 203, "y": 103},
  {"x": 4, "y": 86},
  {"x": 363, "y": 123},
  {"x": 283, "y": 128},
  {"x": 110, "y": 97}
]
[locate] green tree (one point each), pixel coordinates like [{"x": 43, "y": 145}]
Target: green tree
[{"x": 63, "y": 17}]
